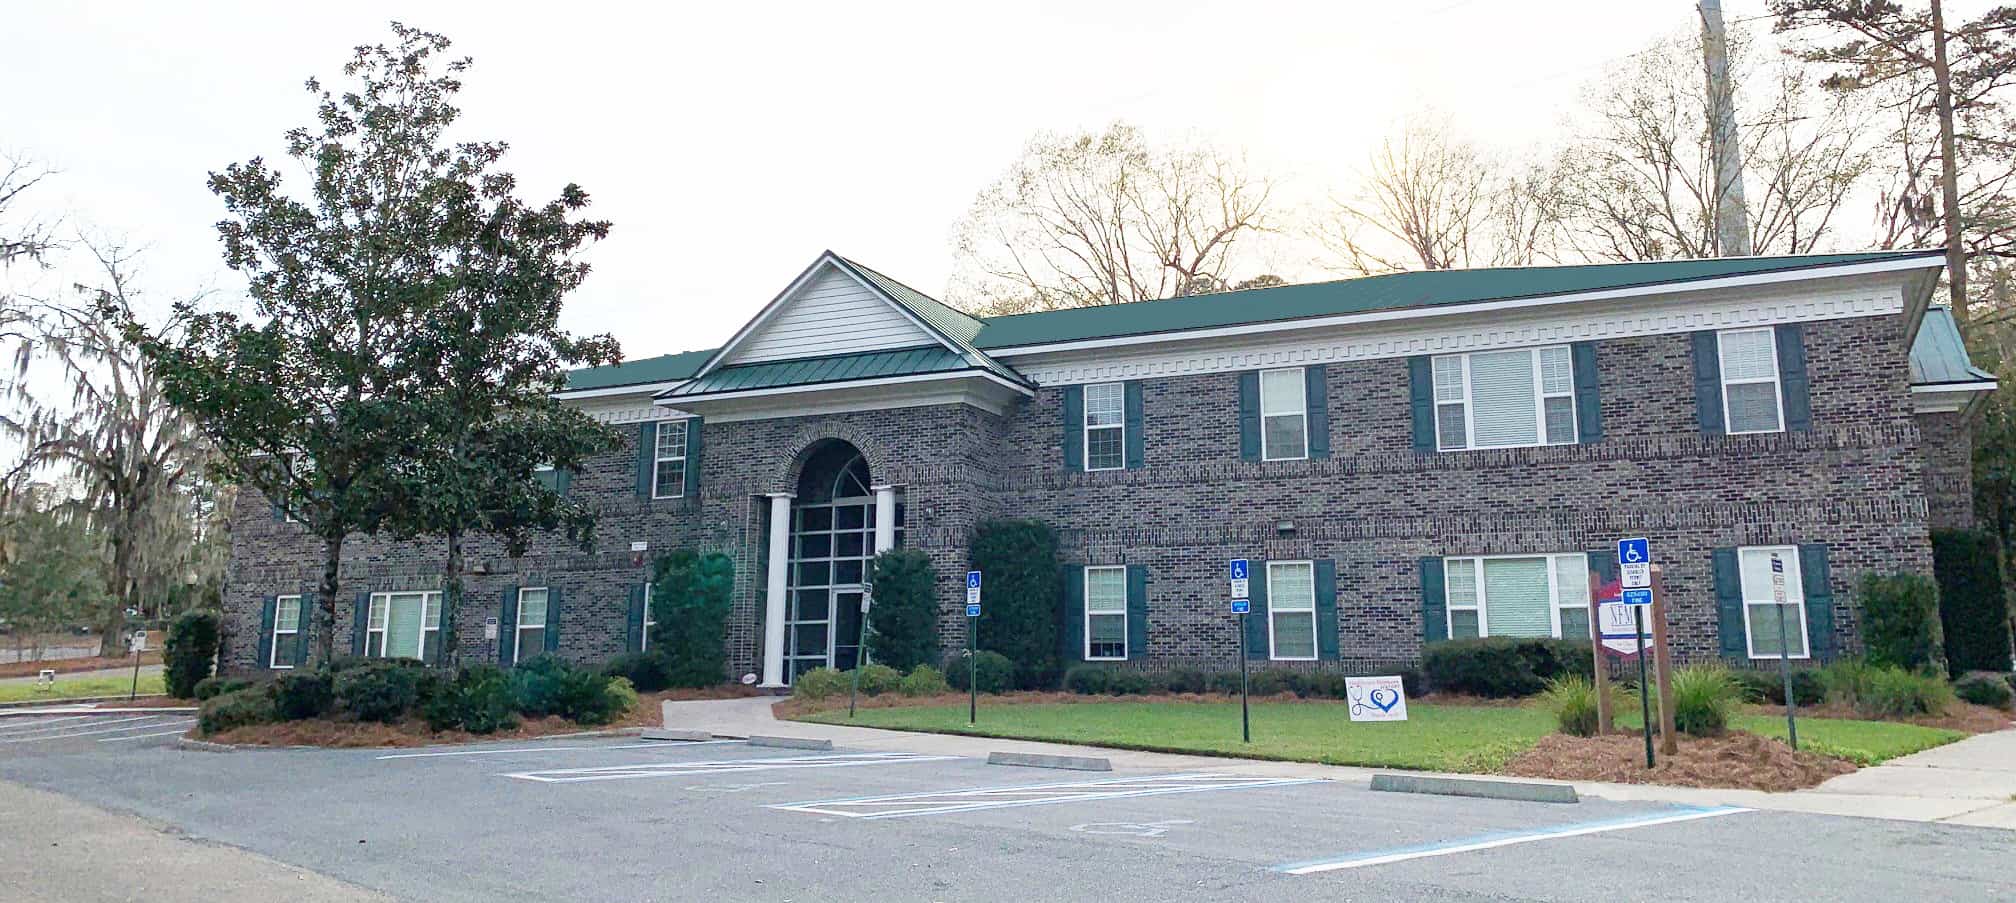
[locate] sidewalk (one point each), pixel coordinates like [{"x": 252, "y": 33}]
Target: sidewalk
[{"x": 1965, "y": 783}]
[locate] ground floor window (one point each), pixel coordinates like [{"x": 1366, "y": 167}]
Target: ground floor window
[
  {"x": 286, "y": 626},
  {"x": 1291, "y": 610},
  {"x": 1518, "y": 595},
  {"x": 531, "y": 631},
  {"x": 404, "y": 625},
  {"x": 1760, "y": 602},
  {"x": 1105, "y": 613}
]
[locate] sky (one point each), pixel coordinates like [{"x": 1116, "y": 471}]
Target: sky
[{"x": 731, "y": 143}]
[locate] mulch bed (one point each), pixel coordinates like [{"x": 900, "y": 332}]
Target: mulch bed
[
  {"x": 1737, "y": 760},
  {"x": 341, "y": 734}
]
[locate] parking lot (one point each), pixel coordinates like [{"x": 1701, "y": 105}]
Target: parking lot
[{"x": 623, "y": 819}]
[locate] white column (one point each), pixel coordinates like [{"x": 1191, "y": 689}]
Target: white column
[
  {"x": 773, "y": 600},
  {"x": 885, "y": 518}
]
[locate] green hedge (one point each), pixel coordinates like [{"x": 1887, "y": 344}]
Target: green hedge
[
  {"x": 1503, "y": 667},
  {"x": 1023, "y": 595},
  {"x": 904, "y": 617},
  {"x": 992, "y": 671},
  {"x": 1900, "y": 621},
  {"x": 252, "y": 705},
  {"x": 1973, "y": 602},
  {"x": 190, "y": 652},
  {"x": 691, "y": 595}
]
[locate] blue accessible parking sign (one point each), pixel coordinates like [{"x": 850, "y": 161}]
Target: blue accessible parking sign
[
  {"x": 1241, "y": 606},
  {"x": 973, "y": 611}
]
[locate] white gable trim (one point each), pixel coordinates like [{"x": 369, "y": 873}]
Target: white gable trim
[{"x": 827, "y": 260}]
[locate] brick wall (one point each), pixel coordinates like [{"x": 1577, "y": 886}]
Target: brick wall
[{"x": 1948, "y": 443}]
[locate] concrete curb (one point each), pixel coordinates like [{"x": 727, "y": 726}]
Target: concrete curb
[
  {"x": 1035, "y": 760},
  {"x": 163, "y": 710},
  {"x": 674, "y": 734},
  {"x": 5, "y": 707},
  {"x": 1495, "y": 790},
  {"x": 205, "y": 745},
  {"x": 791, "y": 742}
]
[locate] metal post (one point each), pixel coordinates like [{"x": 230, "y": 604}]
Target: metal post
[
  {"x": 860, "y": 656},
  {"x": 1644, "y": 691},
  {"x": 972, "y": 678},
  {"x": 135, "y": 692},
  {"x": 1785, "y": 673},
  {"x": 1245, "y": 714}
]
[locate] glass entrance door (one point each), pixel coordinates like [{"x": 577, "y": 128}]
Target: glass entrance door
[{"x": 832, "y": 546}]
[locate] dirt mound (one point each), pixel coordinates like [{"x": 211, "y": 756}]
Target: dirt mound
[{"x": 1739, "y": 760}]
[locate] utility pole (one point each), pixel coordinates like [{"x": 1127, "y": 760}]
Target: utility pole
[{"x": 1732, "y": 221}]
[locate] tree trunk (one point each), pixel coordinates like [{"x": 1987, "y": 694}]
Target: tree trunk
[
  {"x": 1949, "y": 170},
  {"x": 451, "y": 597},
  {"x": 325, "y": 601}
]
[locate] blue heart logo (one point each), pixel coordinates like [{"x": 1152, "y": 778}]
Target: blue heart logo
[{"x": 1385, "y": 699}]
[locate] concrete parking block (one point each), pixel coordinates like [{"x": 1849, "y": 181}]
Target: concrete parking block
[
  {"x": 791, "y": 742},
  {"x": 1497, "y": 790},
  {"x": 1032, "y": 760},
  {"x": 677, "y": 734}
]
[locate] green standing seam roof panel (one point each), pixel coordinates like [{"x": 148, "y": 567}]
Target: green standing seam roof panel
[
  {"x": 664, "y": 368},
  {"x": 1939, "y": 356},
  {"x": 838, "y": 368},
  {"x": 957, "y": 324}
]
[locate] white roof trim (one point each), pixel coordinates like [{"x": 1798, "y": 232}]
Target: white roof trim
[
  {"x": 1661, "y": 288},
  {"x": 636, "y": 389},
  {"x": 847, "y": 384},
  {"x": 1980, "y": 385}
]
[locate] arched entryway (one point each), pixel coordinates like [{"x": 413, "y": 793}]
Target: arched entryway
[{"x": 833, "y": 540}]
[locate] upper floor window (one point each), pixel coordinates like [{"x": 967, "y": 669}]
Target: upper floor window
[
  {"x": 1518, "y": 595},
  {"x": 668, "y": 470},
  {"x": 1772, "y": 627},
  {"x": 286, "y": 626},
  {"x": 1284, "y": 415},
  {"x": 1751, "y": 400},
  {"x": 1105, "y": 426},
  {"x": 1105, "y": 613},
  {"x": 1505, "y": 399}
]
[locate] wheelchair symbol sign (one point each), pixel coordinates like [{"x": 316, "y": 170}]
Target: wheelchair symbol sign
[{"x": 1634, "y": 559}]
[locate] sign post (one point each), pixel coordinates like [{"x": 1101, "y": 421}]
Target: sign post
[
  {"x": 1634, "y": 565},
  {"x": 1784, "y": 650},
  {"x": 1242, "y": 607},
  {"x": 1662, "y": 664},
  {"x": 860, "y": 652},
  {"x": 139, "y": 643},
  {"x": 972, "y": 636}
]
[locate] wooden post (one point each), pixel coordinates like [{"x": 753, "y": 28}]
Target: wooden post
[
  {"x": 1669, "y": 739},
  {"x": 1602, "y": 672}
]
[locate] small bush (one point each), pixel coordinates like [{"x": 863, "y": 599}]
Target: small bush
[
  {"x": 877, "y": 679},
  {"x": 212, "y": 687},
  {"x": 1503, "y": 667},
  {"x": 819, "y": 683},
  {"x": 1896, "y": 693},
  {"x": 1984, "y": 688},
  {"x": 1129, "y": 682},
  {"x": 621, "y": 696},
  {"x": 1088, "y": 680},
  {"x": 923, "y": 680},
  {"x": 1269, "y": 683},
  {"x": 190, "y": 651},
  {"x": 303, "y": 695},
  {"x": 550, "y": 685},
  {"x": 1704, "y": 696},
  {"x": 648, "y": 672},
  {"x": 1226, "y": 682},
  {"x": 993, "y": 671},
  {"x": 477, "y": 700},
  {"x": 252, "y": 705},
  {"x": 1572, "y": 699},
  {"x": 1900, "y": 621},
  {"x": 380, "y": 690},
  {"x": 1763, "y": 686},
  {"x": 1184, "y": 680}
]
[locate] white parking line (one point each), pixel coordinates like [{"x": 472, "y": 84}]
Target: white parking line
[
  {"x": 907, "y": 805},
  {"x": 533, "y": 749},
  {"x": 27, "y": 726},
  {"x": 180, "y": 727},
  {"x": 670, "y": 769},
  {"x": 1493, "y": 841},
  {"x": 56, "y": 732}
]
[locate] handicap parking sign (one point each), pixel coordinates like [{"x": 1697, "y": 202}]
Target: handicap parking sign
[
  {"x": 1241, "y": 606},
  {"x": 1634, "y": 560},
  {"x": 973, "y": 593},
  {"x": 1239, "y": 584},
  {"x": 973, "y": 611}
]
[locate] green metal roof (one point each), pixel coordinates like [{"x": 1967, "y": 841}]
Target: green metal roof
[
  {"x": 664, "y": 368},
  {"x": 1939, "y": 356},
  {"x": 837, "y": 368},
  {"x": 957, "y": 324},
  {"x": 1426, "y": 288}
]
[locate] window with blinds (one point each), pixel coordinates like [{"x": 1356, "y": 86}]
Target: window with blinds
[
  {"x": 1505, "y": 399},
  {"x": 1518, "y": 595}
]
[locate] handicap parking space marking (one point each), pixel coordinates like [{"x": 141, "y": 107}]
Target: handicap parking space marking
[
  {"x": 660, "y": 744},
  {"x": 674, "y": 769},
  {"x": 179, "y": 727},
  {"x": 908, "y": 805},
  {"x": 1507, "y": 838},
  {"x": 30, "y": 725},
  {"x": 1131, "y": 828},
  {"x": 66, "y": 731}
]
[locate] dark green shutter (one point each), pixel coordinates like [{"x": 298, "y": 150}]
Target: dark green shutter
[
  {"x": 1137, "y": 611},
  {"x": 1817, "y": 583},
  {"x": 1708, "y": 382},
  {"x": 1729, "y": 606},
  {"x": 507, "y": 627},
  {"x": 693, "y": 458},
  {"x": 279, "y": 513},
  {"x": 1256, "y": 621},
  {"x": 563, "y": 479},
  {"x": 1317, "y": 396},
  {"x": 552, "y": 619},
  {"x": 360, "y": 622},
  {"x": 1434, "y": 602},
  {"x": 1074, "y": 428},
  {"x": 1326, "y": 609},
  {"x": 266, "y": 631},
  {"x": 1421, "y": 395},
  {"x": 1137, "y": 441},
  {"x": 1249, "y": 416},
  {"x": 305, "y": 625},
  {"x": 1588, "y": 394},
  {"x": 1604, "y": 563},
  {"x": 1073, "y": 634},
  {"x": 633, "y": 623},
  {"x": 1792, "y": 378},
  {"x": 647, "y": 441}
]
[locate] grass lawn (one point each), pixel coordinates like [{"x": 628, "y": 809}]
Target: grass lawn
[
  {"x": 1861, "y": 742},
  {"x": 74, "y": 687}
]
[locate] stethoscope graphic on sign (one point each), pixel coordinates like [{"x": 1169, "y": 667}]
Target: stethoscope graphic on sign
[{"x": 1381, "y": 700}]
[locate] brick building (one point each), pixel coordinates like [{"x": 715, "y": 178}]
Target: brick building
[{"x": 1404, "y": 458}]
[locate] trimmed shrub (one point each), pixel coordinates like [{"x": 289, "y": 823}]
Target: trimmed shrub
[
  {"x": 1900, "y": 621},
  {"x": 905, "y": 615},
  {"x": 1224, "y": 682},
  {"x": 923, "y": 680},
  {"x": 1887, "y": 692},
  {"x": 1503, "y": 667},
  {"x": 819, "y": 683},
  {"x": 379, "y": 690},
  {"x": 550, "y": 685},
  {"x": 1182, "y": 680},
  {"x": 478, "y": 700},
  {"x": 620, "y": 697},
  {"x": 647, "y": 672},
  {"x": 212, "y": 687},
  {"x": 1572, "y": 699},
  {"x": 1704, "y": 696},
  {"x": 1129, "y": 682},
  {"x": 302, "y": 695},
  {"x": 252, "y": 705},
  {"x": 1019, "y": 558},
  {"x": 992, "y": 671},
  {"x": 1973, "y": 601},
  {"x": 1088, "y": 680},
  {"x": 878, "y": 678},
  {"x": 691, "y": 595},
  {"x": 190, "y": 652},
  {"x": 1985, "y": 688},
  {"x": 1763, "y": 686},
  {"x": 1268, "y": 683}
]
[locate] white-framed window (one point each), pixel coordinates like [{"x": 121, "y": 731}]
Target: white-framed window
[
  {"x": 668, "y": 461},
  {"x": 1518, "y": 595},
  {"x": 1105, "y": 426},
  {"x": 286, "y": 625},
  {"x": 1284, "y": 415},
  {"x": 529, "y": 637},
  {"x": 403, "y": 625},
  {"x": 1505, "y": 399},
  {"x": 1751, "y": 400},
  {"x": 1760, "y": 605},
  {"x": 650, "y": 621},
  {"x": 1291, "y": 610},
  {"x": 1105, "y": 613}
]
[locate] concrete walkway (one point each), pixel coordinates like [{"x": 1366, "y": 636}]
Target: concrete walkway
[{"x": 1968, "y": 782}]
